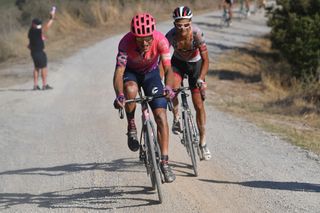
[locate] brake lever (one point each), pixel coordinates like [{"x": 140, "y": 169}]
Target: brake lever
[{"x": 121, "y": 114}]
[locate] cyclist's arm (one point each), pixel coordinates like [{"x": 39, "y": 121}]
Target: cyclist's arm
[
  {"x": 205, "y": 64},
  {"x": 169, "y": 76},
  {"x": 118, "y": 80},
  {"x": 121, "y": 64},
  {"x": 165, "y": 58},
  {"x": 203, "y": 53}
]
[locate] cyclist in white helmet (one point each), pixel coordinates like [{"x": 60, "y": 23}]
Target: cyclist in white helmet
[{"x": 190, "y": 57}]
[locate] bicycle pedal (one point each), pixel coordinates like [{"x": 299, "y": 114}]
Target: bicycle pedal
[
  {"x": 182, "y": 141},
  {"x": 142, "y": 153},
  {"x": 142, "y": 157}
]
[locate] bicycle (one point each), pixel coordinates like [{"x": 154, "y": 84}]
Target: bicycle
[
  {"x": 225, "y": 20},
  {"x": 243, "y": 10},
  {"x": 190, "y": 133},
  {"x": 258, "y": 6},
  {"x": 149, "y": 151}
]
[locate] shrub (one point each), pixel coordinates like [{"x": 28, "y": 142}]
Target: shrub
[{"x": 295, "y": 32}]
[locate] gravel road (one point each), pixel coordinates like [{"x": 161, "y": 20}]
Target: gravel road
[{"x": 65, "y": 150}]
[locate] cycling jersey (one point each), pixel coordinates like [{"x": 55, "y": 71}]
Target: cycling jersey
[
  {"x": 197, "y": 44},
  {"x": 130, "y": 57}
]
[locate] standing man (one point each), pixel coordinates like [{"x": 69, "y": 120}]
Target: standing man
[
  {"x": 139, "y": 52},
  {"x": 190, "y": 57},
  {"x": 36, "y": 46}
]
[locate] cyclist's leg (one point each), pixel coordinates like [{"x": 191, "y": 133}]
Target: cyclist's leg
[
  {"x": 177, "y": 66},
  {"x": 224, "y": 6},
  {"x": 247, "y": 5},
  {"x": 160, "y": 117},
  {"x": 131, "y": 88},
  {"x": 230, "y": 10},
  {"x": 198, "y": 104},
  {"x": 152, "y": 85},
  {"x": 200, "y": 114}
]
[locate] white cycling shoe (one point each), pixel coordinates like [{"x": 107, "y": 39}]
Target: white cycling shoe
[{"x": 206, "y": 154}]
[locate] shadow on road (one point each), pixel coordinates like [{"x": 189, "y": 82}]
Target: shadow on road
[
  {"x": 235, "y": 75},
  {"x": 96, "y": 198},
  {"x": 119, "y": 165},
  {"x": 16, "y": 90},
  {"x": 90, "y": 198},
  {"x": 182, "y": 169},
  {"x": 290, "y": 186}
]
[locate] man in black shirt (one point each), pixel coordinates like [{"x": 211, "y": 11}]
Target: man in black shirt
[{"x": 36, "y": 46}]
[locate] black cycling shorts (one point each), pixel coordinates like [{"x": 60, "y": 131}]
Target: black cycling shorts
[
  {"x": 39, "y": 59},
  {"x": 191, "y": 69},
  {"x": 151, "y": 84},
  {"x": 229, "y": 2}
]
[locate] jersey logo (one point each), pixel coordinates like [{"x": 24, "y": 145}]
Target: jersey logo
[{"x": 154, "y": 90}]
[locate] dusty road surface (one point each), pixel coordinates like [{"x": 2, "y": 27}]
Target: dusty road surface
[{"x": 65, "y": 150}]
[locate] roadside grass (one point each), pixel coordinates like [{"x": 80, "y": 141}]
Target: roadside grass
[
  {"x": 247, "y": 82},
  {"x": 75, "y": 21}
]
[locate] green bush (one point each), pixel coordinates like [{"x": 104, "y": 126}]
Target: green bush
[{"x": 296, "y": 33}]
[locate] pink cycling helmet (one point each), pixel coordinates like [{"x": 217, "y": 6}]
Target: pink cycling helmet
[{"x": 142, "y": 25}]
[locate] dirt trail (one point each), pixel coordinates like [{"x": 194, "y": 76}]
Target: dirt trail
[{"x": 65, "y": 150}]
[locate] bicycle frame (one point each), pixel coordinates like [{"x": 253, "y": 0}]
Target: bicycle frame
[
  {"x": 191, "y": 137},
  {"x": 149, "y": 146}
]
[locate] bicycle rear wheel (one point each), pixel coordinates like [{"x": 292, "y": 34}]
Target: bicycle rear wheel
[
  {"x": 152, "y": 149},
  {"x": 187, "y": 134}
]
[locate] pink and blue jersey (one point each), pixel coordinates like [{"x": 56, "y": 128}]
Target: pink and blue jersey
[{"x": 129, "y": 56}]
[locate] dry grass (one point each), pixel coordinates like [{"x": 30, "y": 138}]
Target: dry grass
[
  {"x": 248, "y": 83},
  {"x": 76, "y": 20}
]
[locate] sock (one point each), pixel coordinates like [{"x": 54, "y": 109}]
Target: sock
[{"x": 164, "y": 158}]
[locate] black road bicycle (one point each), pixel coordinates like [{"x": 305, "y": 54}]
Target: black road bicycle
[
  {"x": 149, "y": 151},
  {"x": 190, "y": 133}
]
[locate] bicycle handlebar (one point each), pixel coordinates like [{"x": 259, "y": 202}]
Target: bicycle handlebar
[
  {"x": 144, "y": 99},
  {"x": 180, "y": 89}
]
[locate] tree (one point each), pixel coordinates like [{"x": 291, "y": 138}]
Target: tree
[{"x": 295, "y": 32}]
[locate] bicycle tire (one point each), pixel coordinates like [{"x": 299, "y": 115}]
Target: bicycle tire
[
  {"x": 188, "y": 141},
  {"x": 155, "y": 169},
  {"x": 195, "y": 136}
]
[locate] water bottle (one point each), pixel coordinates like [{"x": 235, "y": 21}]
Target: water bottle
[{"x": 53, "y": 9}]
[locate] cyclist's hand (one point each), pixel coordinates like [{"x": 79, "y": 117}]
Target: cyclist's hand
[
  {"x": 199, "y": 83},
  {"x": 52, "y": 12},
  {"x": 169, "y": 93},
  {"x": 202, "y": 85},
  {"x": 119, "y": 102}
]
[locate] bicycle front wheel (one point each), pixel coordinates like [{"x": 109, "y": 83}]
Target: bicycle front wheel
[
  {"x": 152, "y": 151},
  {"x": 187, "y": 134}
]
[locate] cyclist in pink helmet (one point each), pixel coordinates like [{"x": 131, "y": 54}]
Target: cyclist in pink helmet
[{"x": 139, "y": 53}]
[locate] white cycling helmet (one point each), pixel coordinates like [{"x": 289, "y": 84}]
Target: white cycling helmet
[{"x": 182, "y": 12}]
